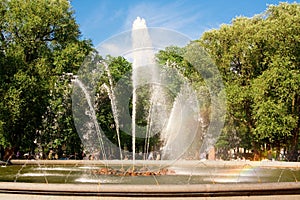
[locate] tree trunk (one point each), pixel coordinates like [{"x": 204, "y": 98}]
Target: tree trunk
[{"x": 295, "y": 132}]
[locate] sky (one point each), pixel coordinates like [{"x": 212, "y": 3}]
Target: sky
[{"x": 101, "y": 19}]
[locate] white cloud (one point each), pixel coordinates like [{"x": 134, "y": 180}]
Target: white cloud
[{"x": 173, "y": 15}]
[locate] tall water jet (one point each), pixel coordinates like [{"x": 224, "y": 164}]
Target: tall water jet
[
  {"x": 175, "y": 118},
  {"x": 93, "y": 128},
  {"x": 113, "y": 101},
  {"x": 142, "y": 55}
]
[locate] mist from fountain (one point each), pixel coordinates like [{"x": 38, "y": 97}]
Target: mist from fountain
[
  {"x": 170, "y": 112},
  {"x": 181, "y": 125}
]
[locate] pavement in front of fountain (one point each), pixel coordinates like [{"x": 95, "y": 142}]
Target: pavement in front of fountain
[{"x": 55, "y": 197}]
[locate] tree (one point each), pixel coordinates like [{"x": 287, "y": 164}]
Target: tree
[
  {"x": 259, "y": 60},
  {"x": 229, "y": 48},
  {"x": 39, "y": 41},
  {"x": 276, "y": 90}
]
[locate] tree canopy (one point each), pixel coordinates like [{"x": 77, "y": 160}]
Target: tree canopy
[
  {"x": 39, "y": 41},
  {"x": 259, "y": 61}
]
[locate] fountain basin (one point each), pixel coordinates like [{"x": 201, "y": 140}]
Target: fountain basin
[
  {"x": 197, "y": 179},
  {"x": 162, "y": 172}
]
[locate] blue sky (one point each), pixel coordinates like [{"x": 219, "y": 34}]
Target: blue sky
[{"x": 102, "y": 19}]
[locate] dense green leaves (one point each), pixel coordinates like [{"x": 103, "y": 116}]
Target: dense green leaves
[
  {"x": 39, "y": 41},
  {"x": 259, "y": 60}
]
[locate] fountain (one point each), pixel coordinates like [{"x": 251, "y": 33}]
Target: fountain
[
  {"x": 172, "y": 115},
  {"x": 171, "y": 105},
  {"x": 172, "y": 110}
]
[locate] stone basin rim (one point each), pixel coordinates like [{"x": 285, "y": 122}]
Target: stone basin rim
[{"x": 243, "y": 189}]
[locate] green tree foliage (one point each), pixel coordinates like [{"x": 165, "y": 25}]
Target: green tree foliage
[
  {"x": 259, "y": 60},
  {"x": 39, "y": 41}
]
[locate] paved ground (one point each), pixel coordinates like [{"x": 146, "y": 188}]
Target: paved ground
[
  {"x": 46, "y": 197},
  {"x": 260, "y": 191}
]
